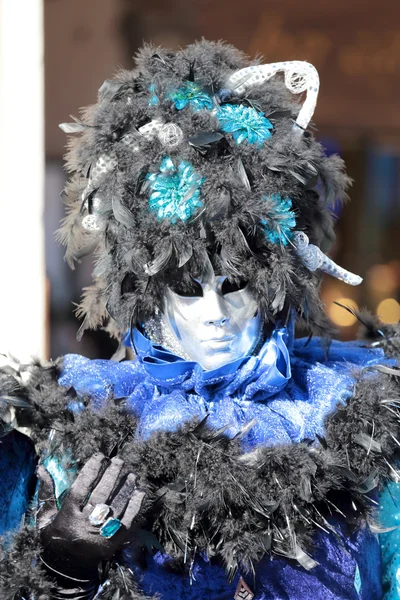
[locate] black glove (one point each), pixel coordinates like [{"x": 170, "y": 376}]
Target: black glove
[{"x": 73, "y": 548}]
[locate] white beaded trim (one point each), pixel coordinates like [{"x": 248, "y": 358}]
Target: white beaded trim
[
  {"x": 151, "y": 129},
  {"x": 300, "y": 76},
  {"x": 90, "y": 223}
]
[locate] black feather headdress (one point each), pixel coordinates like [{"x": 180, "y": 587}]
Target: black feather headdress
[{"x": 195, "y": 154}]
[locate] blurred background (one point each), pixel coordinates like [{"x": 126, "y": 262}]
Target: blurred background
[{"x": 356, "y": 49}]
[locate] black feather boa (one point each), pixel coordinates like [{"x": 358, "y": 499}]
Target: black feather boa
[
  {"x": 23, "y": 576},
  {"x": 204, "y": 494}
]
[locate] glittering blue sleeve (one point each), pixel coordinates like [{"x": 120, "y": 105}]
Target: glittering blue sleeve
[
  {"x": 17, "y": 477},
  {"x": 390, "y": 541}
]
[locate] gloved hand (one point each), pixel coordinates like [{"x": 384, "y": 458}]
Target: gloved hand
[{"x": 72, "y": 546}]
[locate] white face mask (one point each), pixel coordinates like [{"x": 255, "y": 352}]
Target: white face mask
[{"x": 216, "y": 325}]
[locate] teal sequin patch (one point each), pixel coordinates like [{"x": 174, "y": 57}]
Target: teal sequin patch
[
  {"x": 191, "y": 94},
  {"x": 357, "y": 580},
  {"x": 154, "y": 101},
  {"x": 281, "y": 220},
  {"x": 244, "y": 123},
  {"x": 63, "y": 471},
  {"x": 175, "y": 191}
]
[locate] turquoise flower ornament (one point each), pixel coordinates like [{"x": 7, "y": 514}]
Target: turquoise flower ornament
[
  {"x": 244, "y": 123},
  {"x": 191, "y": 94},
  {"x": 175, "y": 191},
  {"x": 281, "y": 220}
]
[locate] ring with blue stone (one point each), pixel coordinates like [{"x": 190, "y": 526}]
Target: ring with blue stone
[{"x": 110, "y": 527}]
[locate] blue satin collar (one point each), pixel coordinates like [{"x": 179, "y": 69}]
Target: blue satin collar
[{"x": 270, "y": 368}]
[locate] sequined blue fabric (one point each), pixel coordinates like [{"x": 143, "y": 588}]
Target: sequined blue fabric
[
  {"x": 389, "y": 518},
  {"x": 289, "y": 387},
  {"x": 348, "y": 569},
  {"x": 17, "y": 477}
]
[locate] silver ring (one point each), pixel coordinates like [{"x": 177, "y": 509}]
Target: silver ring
[{"x": 100, "y": 514}]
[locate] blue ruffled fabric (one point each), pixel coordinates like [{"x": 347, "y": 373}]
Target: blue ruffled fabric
[
  {"x": 289, "y": 395},
  {"x": 289, "y": 388}
]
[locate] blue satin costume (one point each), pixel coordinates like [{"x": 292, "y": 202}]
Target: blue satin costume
[{"x": 289, "y": 388}]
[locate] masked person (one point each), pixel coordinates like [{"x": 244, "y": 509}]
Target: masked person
[{"x": 228, "y": 460}]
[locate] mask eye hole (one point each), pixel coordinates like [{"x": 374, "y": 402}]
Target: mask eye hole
[
  {"x": 187, "y": 289},
  {"x": 228, "y": 287}
]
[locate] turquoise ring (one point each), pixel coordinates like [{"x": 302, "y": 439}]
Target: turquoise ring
[{"x": 110, "y": 528}]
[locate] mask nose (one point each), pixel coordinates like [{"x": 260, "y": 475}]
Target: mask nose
[
  {"x": 213, "y": 309},
  {"x": 218, "y": 322}
]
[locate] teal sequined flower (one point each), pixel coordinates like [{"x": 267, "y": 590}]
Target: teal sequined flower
[
  {"x": 175, "y": 191},
  {"x": 191, "y": 94},
  {"x": 281, "y": 220},
  {"x": 244, "y": 123}
]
